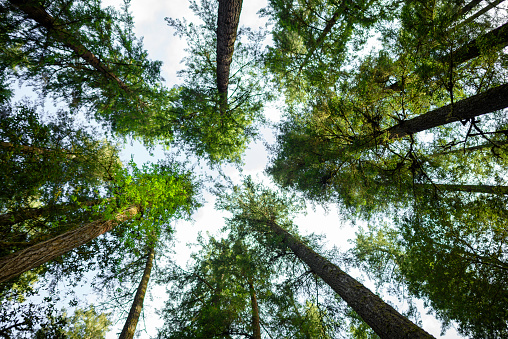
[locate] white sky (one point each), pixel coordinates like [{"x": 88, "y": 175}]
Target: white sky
[{"x": 163, "y": 45}]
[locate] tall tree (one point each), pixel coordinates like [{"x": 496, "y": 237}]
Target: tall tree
[
  {"x": 261, "y": 210},
  {"x": 227, "y": 26},
  {"x": 137, "y": 305},
  {"x": 158, "y": 192}
]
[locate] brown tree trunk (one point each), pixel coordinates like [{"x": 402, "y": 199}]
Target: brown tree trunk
[
  {"x": 36, "y": 255},
  {"x": 381, "y": 317},
  {"x": 489, "y": 189},
  {"x": 489, "y": 101},
  {"x": 137, "y": 305},
  {"x": 256, "y": 328},
  {"x": 227, "y": 26},
  {"x": 38, "y": 13}
]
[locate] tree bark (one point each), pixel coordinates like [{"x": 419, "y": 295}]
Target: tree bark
[
  {"x": 227, "y": 26},
  {"x": 37, "y": 12},
  {"x": 489, "y": 189},
  {"x": 256, "y": 328},
  {"x": 489, "y": 101},
  {"x": 36, "y": 255},
  {"x": 381, "y": 317},
  {"x": 137, "y": 305}
]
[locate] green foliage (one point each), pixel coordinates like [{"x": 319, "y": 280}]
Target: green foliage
[
  {"x": 450, "y": 253},
  {"x": 203, "y": 128}
]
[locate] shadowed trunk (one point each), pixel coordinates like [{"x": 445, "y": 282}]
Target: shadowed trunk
[
  {"x": 38, "y": 13},
  {"x": 489, "y": 101},
  {"x": 227, "y": 26},
  {"x": 381, "y": 317},
  {"x": 36, "y": 255},
  {"x": 489, "y": 189},
  {"x": 256, "y": 329},
  {"x": 137, "y": 305}
]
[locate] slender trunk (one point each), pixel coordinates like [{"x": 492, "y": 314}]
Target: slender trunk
[
  {"x": 498, "y": 144},
  {"x": 479, "y": 13},
  {"x": 38, "y": 13},
  {"x": 36, "y": 255},
  {"x": 381, "y": 317},
  {"x": 467, "y": 8},
  {"x": 489, "y": 101},
  {"x": 256, "y": 328},
  {"x": 28, "y": 213},
  {"x": 495, "y": 39},
  {"x": 137, "y": 305},
  {"x": 227, "y": 26},
  {"x": 489, "y": 189},
  {"x": 329, "y": 25}
]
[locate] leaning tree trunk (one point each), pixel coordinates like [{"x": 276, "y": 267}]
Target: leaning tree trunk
[
  {"x": 227, "y": 26},
  {"x": 137, "y": 305},
  {"x": 14, "y": 264},
  {"x": 489, "y": 101},
  {"x": 38, "y": 13},
  {"x": 381, "y": 317},
  {"x": 488, "y": 189},
  {"x": 256, "y": 328}
]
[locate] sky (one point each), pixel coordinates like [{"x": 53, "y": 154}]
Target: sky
[{"x": 163, "y": 45}]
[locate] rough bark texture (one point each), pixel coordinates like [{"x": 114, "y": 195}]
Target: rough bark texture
[
  {"x": 137, "y": 305},
  {"x": 36, "y": 255},
  {"x": 489, "y": 189},
  {"x": 495, "y": 39},
  {"x": 227, "y": 26},
  {"x": 381, "y": 317},
  {"x": 256, "y": 328},
  {"x": 492, "y": 100},
  {"x": 37, "y": 12}
]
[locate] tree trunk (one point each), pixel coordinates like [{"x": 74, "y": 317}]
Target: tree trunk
[
  {"x": 489, "y": 189},
  {"x": 489, "y": 101},
  {"x": 137, "y": 305},
  {"x": 256, "y": 328},
  {"x": 495, "y": 39},
  {"x": 479, "y": 13},
  {"x": 497, "y": 144},
  {"x": 36, "y": 255},
  {"x": 38, "y": 13},
  {"x": 381, "y": 317},
  {"x": 227, "y": 26}
]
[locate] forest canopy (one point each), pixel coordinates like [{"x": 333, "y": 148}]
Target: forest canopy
[{"x": 392, "y": 113}]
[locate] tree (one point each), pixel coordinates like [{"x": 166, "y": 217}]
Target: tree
[
  {"x": 137, "y": 305},
  {"x": 205, "y": 127},
  {"x": 262, "y": 211},
  {"x": 449, "y": 252},
  {"x": 227, "y": 25},
  {"x": 160, "y": 191}
]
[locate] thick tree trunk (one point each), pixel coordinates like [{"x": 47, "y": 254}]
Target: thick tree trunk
[
  {"x": 227, "y": 26},
  {"x": 256, "y": 328},
  {"x": 36, "y": 255},
  {"x": 492, "y": 100},
  {"x": 137, "y": 305},
  {"x": 489, "y": 189},
  {"x": 381, "y": 317},
  {"x": 37, "y": 12},
  {"x": 495, "y": 39}
]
